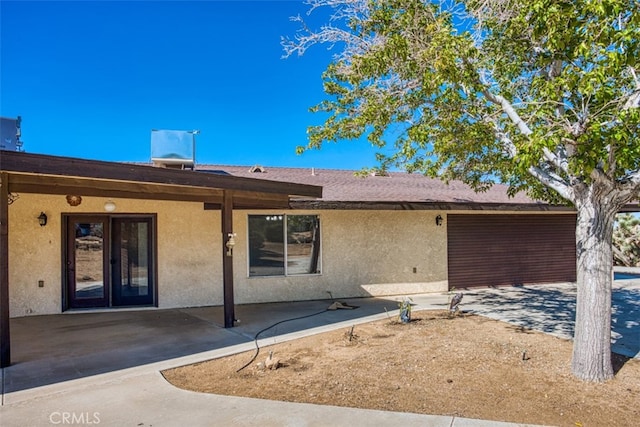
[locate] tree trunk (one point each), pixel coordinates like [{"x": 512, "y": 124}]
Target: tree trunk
[{"x": 594, "y": 235}]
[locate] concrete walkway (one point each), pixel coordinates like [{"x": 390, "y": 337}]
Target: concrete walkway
[{"x": 104, "y": 368}]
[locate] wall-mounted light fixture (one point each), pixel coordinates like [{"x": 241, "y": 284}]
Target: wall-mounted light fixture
[
  {"x": 439, "y": 220},
  {"x": 109, "y": 206},
  {"x": 231, "y": 242},
  {"x": 42, "y": 219}
]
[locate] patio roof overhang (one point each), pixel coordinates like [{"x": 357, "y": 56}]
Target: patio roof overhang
[{"x": 44, "y": 174}]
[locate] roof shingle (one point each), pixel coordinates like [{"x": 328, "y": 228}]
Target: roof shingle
[{"x": 396, "y": 188}]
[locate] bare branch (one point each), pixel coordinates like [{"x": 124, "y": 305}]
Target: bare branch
[
  {"x": 342, "y": 11},
  {"x": 327, "y": 34}
]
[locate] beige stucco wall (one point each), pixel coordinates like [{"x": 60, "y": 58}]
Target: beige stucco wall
[
  {"x": 364, "y": 253},
  {"x": 188, "y": 251},
  {"x": 34, "y": 254}
]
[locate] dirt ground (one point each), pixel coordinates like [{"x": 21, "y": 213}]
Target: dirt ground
[{"x": 466, "y": 366}]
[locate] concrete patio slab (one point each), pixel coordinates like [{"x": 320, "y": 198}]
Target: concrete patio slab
[{"x": 51, "y": 349}]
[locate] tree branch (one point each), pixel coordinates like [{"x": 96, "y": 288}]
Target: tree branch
[
  {"x": 553, "y": 181},
  {"x": 633, "y": 101},
  {"x": 555, "y": 159},
  {"x": 631, "y": 186},
  {"x": 547, "y": 178}
]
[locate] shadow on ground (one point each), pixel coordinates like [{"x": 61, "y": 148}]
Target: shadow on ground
[
  {"x": 551, "y": 309},
  {"x": 625, "y": 322}
]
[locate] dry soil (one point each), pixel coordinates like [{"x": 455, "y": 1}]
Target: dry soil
[{"x": 466, "y": 366}]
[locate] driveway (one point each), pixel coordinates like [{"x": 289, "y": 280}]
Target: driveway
[{"x": 551, "y": 309}]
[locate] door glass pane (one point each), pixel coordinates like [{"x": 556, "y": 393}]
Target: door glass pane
[
  {"x": 134, "y": 259},
  {"x": 89, "y": 260}
]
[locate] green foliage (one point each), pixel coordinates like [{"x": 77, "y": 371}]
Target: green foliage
[
  {"x": 423, "y": 80},
  {"x": 626, "y": 239}
]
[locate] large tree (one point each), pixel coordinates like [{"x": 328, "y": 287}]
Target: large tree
[{"x": 542, "y": 95}]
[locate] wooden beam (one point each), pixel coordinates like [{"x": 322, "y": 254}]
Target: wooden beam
[
  {"x": 40, "y": 184},
  {"x": 5, "y": 336},
  {"x": 254, "y": 201},
  {"x": 227, "y": 260},
  {"x": 20, "y": 162}
]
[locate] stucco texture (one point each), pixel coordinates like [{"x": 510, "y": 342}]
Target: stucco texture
[
  {"x": 364, "y": 253},
  {"x": 34, "y": 254},
  {"x": 188, "y": 251}
]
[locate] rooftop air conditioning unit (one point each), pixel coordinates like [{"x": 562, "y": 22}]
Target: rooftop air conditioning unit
[
  {"x": 173, "y": 148},
  {"x": 10, "y": 134}
]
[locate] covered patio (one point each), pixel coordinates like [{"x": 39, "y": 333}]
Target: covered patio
[
  {"x": 52, "y": 349},
  {"x": 50, "y": 175}
]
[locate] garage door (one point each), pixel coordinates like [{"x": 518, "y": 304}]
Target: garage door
[{"x": 493, "y": 250}]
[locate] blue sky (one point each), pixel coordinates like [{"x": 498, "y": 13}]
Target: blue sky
[{"x": 92, "y": 79}]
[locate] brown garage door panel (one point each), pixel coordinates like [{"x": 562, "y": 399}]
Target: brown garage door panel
[{"x": 489, "y": 250}]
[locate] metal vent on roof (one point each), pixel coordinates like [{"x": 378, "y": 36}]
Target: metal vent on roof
[
  {"x": 379, "y": 173},
  {"x": 257, "y": 169}
]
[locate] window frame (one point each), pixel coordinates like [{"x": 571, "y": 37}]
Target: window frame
[{"x": 284, "y": 218}]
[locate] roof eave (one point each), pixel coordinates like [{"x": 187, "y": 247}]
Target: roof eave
[
  {"x": 14, "y": 162},
  {"x": 449, "y": 206}
]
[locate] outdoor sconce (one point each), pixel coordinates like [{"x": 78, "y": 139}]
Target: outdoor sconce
[
  {"x": 109, "y": 206},
  {"x": 42, "y": 219},
  {"x": 439, "y": 220},
  {"x": 231, "y": 242}
]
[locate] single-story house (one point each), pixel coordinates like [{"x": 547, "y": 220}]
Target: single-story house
[{"x": 86, "y": 235}]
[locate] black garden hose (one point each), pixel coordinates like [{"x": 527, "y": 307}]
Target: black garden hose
[{"x": 255, "y": 338}]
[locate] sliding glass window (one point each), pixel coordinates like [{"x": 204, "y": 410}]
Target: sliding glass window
[{"x": 282, "y": 245}]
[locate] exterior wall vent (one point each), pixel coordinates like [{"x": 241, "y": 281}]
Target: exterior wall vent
[{"x": 173, "y": 148}]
